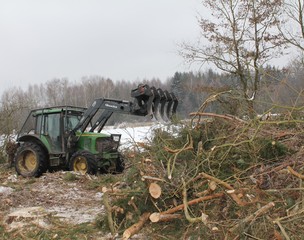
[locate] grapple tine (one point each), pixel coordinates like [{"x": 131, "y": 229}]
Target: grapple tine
[
  {"x": 168, "y": 104},
  {"x": 163, "y": 101},
  {"x": 155, "y": 106},
  {"x": 175, "y": 103}
]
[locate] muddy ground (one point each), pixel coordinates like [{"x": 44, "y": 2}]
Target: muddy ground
[{"x": 55, "y": 199}]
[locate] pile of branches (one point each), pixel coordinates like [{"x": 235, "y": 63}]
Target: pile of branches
[{"x": 216, "y": 177}]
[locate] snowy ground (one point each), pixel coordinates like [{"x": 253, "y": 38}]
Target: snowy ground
[{"x": 132, "y": 135}]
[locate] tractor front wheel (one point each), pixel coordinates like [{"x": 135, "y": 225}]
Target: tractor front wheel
[
  {"x": 83, "y": 162},
  {"x": 30, "y": 160}
]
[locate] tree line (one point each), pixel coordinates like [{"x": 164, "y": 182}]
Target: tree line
[{"x": 282, "y": 87}]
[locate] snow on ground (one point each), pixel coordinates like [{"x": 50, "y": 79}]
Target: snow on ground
[{"x": 132, "y": 135}]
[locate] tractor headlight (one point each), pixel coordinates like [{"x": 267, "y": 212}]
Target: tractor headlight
[{"x": 116, "y": 137}]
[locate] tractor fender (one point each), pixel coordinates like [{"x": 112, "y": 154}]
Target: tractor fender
[{"x": 32, "y": 138}]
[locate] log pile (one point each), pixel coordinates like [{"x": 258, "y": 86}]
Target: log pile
[{"x": 224, "y": 179}]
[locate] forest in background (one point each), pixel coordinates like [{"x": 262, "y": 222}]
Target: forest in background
[{"x": 279, "y": 88}]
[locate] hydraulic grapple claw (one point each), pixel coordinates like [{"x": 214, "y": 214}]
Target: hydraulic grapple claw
[{"x": 154, "y": 102}]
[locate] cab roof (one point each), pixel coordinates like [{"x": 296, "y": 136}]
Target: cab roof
[{"x": 57, "y": 109}]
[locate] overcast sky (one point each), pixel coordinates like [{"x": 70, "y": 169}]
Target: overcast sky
[{"x": 118, "y": 39}]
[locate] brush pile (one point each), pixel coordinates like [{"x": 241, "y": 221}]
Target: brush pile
[{"x": 219, "y": 177}]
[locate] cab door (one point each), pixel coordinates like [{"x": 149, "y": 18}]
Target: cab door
[
  {"x": 49, "y": 128},
  {"x": 53, "y": 131}
]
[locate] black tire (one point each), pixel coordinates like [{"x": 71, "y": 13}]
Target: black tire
[
  {"x": 120, "y": 164},
  {"x": 83, "y": 162},
  {"x": 31, "y": 160}
]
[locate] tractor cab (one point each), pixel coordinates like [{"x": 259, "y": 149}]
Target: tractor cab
[{"x": 51, "y": 126}]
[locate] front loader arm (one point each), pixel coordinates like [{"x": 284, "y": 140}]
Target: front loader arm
[{"x": 146, "y": 102}]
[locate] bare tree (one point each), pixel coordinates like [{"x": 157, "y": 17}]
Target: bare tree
[
  {"x": 293, "y": 29},
  {"x": 56, "y": 90},
  {"x": 12, "y": 112},
  {"x": 242, "y": 38}
]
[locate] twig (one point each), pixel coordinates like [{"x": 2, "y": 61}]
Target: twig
[
  {"x": 285, "y": 189},
  {"x": 224, "y": 184},
  {"x": 185, "y": 202},
  {"x": 231, "y": 191},
  {"x": 187, "y": 146},
  {"x": 153, "y": 178},
  {"x": 291, "y": 215},
  {"x": 251, "y": 237},
  {"x": 293, "y": 172},
  {"x": 227, "y": 117},
  {"x": 253, "y": 216},
  {"x": 109, "y": 212},
  {"x": 282, "y": 229},
  {"x": 192, "y": 202}
]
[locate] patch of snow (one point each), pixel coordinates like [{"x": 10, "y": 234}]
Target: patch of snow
[
  {"x": 22, "y": 217},
  {"x": 4, "y": 191},
  {"x": 130, "y": 136},
  {"x": 76, "y": 215}
]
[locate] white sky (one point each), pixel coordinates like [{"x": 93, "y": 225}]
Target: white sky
[{"x": 119, "y": 39}]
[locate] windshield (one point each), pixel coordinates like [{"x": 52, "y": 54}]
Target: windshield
[{"x": 71, "y": 122}]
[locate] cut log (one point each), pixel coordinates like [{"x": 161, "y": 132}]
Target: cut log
[
  {"x": 155, "y": 190},
  {"x": 192, "y": 202},
  {"x": 152, "y": 178},
  {"x": 135, "y": 227},
  {"x": 159, "y": 217}
]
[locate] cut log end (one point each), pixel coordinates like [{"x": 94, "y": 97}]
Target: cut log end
[
  {"x": 158, "y": 217},
  {"x": 155, "y": 190}
]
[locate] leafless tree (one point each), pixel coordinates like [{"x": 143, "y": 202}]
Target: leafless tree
[
  {"x": 293, "y": 28},
  {"x": 13, "y": 105},
  {"x": 242, "y": 38},
  {"x": 56, "y": 90}
]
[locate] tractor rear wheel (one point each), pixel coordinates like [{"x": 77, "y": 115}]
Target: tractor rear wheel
[
  {"x": 30, "y": 160},
  {"x": 83, "y": 162}
]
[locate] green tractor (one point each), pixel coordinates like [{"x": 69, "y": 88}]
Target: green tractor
[{"x": 67, "y": 137}]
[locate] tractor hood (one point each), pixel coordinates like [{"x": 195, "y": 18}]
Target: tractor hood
[{"x": 98, "y": 142}]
